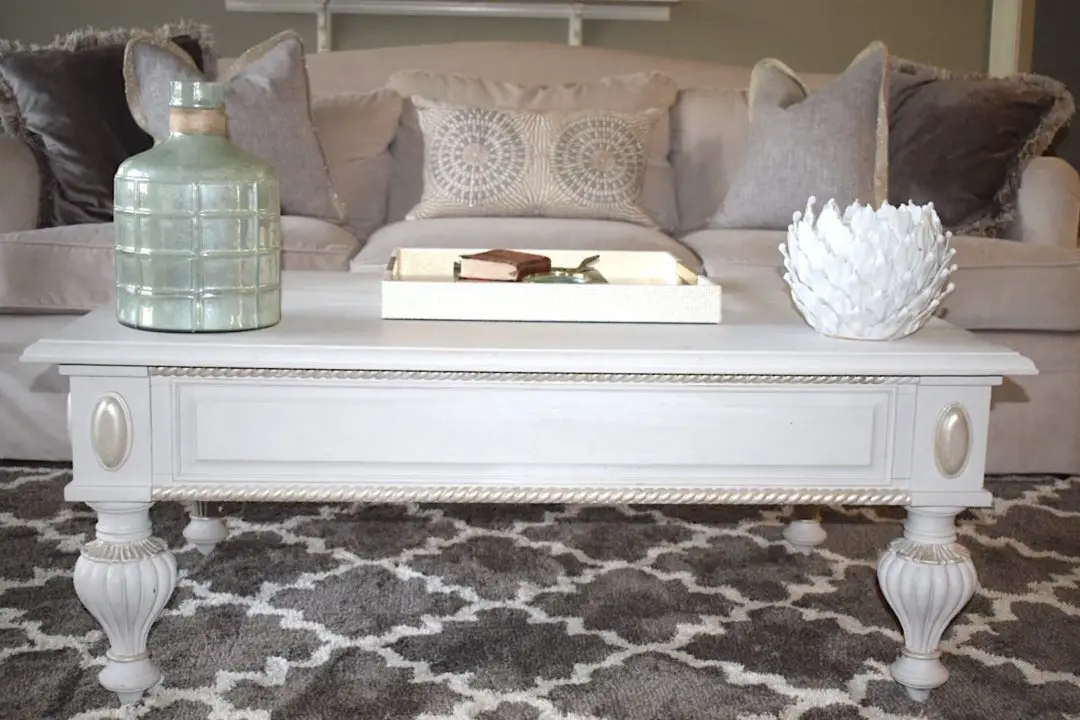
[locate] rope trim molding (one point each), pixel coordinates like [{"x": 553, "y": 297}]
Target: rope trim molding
[
  {"x": 531, "y": 377},
  {"x": 541, "y": 495}
]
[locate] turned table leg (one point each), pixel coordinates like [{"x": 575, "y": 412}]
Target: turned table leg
[
  {"x": 124, "y": 577},
  {"x": 927, "y": 579},
  {"x": 204, "y": 529},
  {"x": 804, "y": 531}
]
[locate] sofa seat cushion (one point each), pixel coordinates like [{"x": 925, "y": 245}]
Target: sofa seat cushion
[
  {"x": 71, "y": 268},
  {"x": 517, "y": 234},
  {"x": 1000, "y": 284}
]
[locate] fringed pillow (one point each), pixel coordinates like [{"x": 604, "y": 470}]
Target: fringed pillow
[
  {"x": 66, "y": 101},
  {"x": 962, "y": 141}
]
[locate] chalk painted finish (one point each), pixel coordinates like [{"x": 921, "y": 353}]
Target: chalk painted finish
[{"x": 335, "y": 405}]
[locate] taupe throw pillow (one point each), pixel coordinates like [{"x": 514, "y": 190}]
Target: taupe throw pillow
[
  {"x": 355, "y": 131},
  {"x": 962, "y": 141},
  {"x": 482, "y": 161},
  {"x": 268, "y": 104},
  {"x": 832, "y": 144}
]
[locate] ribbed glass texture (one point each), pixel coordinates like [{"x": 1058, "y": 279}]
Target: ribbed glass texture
[{"x": 198, "y": 227}]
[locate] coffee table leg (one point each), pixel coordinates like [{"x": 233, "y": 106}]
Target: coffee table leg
[
  {"x": 804, "y": 531},
  {"x": 124, "y": 577},
  {"x": 204, "y": 529},
  {"x": 927, "y": 579}
]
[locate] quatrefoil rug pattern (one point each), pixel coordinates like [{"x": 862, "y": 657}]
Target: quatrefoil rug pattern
[{"x": 542, "y": 613}]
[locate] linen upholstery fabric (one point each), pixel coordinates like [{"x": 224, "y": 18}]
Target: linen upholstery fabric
[
  {"x": 268, "y": 106},
  {"x": 65, "y": 100},
  {"x": 489, "y": 162},
  {"x": 355, "y": 131},
  {"x": 962, "y": 141},
  {"x": 626, "y": 93},
  {"x": 72, "y": 268},
  {"x": 518, "y": 234},
  {"x": 832, "y": 144}
]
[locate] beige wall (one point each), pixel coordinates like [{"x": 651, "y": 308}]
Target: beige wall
[{"x": 811, "y": 35}]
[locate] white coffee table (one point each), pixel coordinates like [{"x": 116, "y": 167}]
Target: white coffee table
[{"x": 335, "y": 404}]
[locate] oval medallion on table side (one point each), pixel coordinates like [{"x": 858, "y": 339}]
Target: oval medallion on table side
[
  {"x": 111, "y": 431},
  {"x": 952, "y": 440}
]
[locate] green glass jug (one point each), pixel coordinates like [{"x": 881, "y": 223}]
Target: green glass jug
[{"x": 198, "y": 226}]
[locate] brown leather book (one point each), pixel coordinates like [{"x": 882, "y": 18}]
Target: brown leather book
[{"x": 503, "y": 265}]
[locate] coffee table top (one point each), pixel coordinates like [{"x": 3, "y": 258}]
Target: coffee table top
[{"x": 331, "y": 321}]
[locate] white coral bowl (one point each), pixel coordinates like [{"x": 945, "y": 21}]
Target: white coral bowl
[{"x": 866, "y": 274}]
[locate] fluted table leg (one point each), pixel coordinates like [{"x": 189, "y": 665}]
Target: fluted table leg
[
  {"x": 124, "y": 577},
  {"x": 927, "y": 579}
]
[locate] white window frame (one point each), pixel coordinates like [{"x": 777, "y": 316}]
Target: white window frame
[{"x": 1006, "y": 36}]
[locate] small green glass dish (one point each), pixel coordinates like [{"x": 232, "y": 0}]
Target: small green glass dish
[
  {"x": 560, "y": 275},
  {"x": 583, "y": 274}
]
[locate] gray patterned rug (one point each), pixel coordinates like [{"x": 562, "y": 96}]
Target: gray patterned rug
[{"x": 544, "y": 612}]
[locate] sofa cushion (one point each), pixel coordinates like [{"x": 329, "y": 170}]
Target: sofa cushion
[
  {"x": 1000, "y": 284},
  {"x": 625, "y": 93},
  {"x": 268, "y": 104},
  {"x": 355, "y": 131},
  {"x": 71, "y": 268},
  {"x": 517, "y": 234},
  {"x": 832, "y": 143}
]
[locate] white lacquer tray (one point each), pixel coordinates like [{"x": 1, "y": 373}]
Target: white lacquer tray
[{"x": 642, "y": 287}]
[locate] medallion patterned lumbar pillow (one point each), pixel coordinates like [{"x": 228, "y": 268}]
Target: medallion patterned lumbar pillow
[
  {"x": 268, "y": 104},
  {"x": 496, "y": 162},
  {"x": 630, "y": 92}
]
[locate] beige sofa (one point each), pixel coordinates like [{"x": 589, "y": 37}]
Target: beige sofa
[{"x": 1023, "y": 292}]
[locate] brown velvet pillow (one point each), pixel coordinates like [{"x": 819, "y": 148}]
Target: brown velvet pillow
[
  {"x": 67, "y": 102},
  {"x": 962, "y": 141}
]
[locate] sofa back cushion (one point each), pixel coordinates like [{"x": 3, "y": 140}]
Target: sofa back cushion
[
  {"x": 709, "y": 133},
  {"x": 551, "y": 64},
  {"x": 522, "y": 63},
  {"x": 704, "y": 145}
]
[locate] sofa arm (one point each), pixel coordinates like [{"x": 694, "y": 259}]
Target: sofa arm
[
  {"x": 1048, "y": 206},
  {"x": 20, "y": 186}
]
